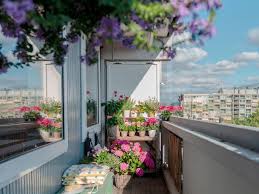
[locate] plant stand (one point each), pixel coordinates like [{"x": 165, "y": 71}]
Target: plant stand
[{"x": 153, "y": 143}]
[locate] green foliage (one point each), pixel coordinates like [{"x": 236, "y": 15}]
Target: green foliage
[
  {"x": 150, "y": 106},
  {"x": 31, "y": 116},
  {"x": 151, "y": 11},
  {"x": 106, "y": 158},
  {"x": 142, "y": 128},
  {"x": 252, "y": 120},
  {"x": 165, "y": 115},
  {"x": 153, "y": 127},
  {"x": 128, "y": 104},
  {"x": 131, "y": 128},
  {"x": 51, "y": 107}
]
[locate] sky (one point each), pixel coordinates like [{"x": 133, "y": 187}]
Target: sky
[
  {"x": 229, "y": 59},
  {"x": 29, "y": 77}
]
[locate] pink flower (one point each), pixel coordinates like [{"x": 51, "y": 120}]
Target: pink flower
[
  {"x": 125, "y": 147},
  {"x": 25, "y": 109},
  {"x": 46, "y": 122},
  {"x": 118, "y": 153},
  {"x": 36, "y": 108},
  {"x": 139, "y": 172},
  {"x": 152, "y": 120},
  {"x": 149, "y": 162},
  {"x": 124, "y": 166}
]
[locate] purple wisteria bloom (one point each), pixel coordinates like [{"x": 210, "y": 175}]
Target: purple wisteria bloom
[
  {"x": 128, "y": 42},
  {"x": 144, "y": 24},
  {"x": 10, "y": 30},
  {"x": 109, "y": 28},
  {"x": 17, "y": 10}
]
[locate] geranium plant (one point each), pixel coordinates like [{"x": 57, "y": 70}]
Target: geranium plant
[
  {"x": 132, "y": 159},
  {"x": 133, "y": 23},
  {"x": 30, "y": 113}
]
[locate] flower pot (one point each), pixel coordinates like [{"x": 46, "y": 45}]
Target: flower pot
[
  {"x": 45, "y": 135},
  {"x": 132, "y": 133},
  {"x": 124, "y": 133},
  {"x": 142, "y": 133},
  {"x": 112, "y": 131},
  {"x": 126, "y": 113},
  {"x": 152, "y": 133},
  {"x": 56, "y": 134},
  {"x": 121, "y": 180}
]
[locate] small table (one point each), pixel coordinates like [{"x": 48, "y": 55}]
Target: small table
[{"x": 106, "y": 188}]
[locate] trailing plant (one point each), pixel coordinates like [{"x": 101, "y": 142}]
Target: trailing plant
[{"x": 58, "y": 23}]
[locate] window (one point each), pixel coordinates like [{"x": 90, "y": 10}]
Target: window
[
  {"x": 90, "y": 83},
  {"x": 30, "y": 109}
]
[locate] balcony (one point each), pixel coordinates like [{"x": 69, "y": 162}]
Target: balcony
[{"x": 207, "y": 158}]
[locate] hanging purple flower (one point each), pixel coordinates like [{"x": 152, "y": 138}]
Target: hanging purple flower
[
  {"x": 17, "y": 10},
  {"x": 109, "y": 28},
  {"x": 128, "y": 42},
  {"x": 10, "y": 30},
  {"x": 169, "y": 52},
  {"x": 144, "y": 24}
]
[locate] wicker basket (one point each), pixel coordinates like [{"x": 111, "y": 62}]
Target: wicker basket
[{"x": 122, "y": 180}]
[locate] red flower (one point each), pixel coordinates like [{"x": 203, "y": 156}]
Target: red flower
[
  {"x": 24, "y": 109},
  {"x": 36, "y": 108}
]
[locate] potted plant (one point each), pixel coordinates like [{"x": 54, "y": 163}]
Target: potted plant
[
  {"x": 128, "y": 105},
  {"x": 142, "y": 131},
  {"x": 123, "y": 130},
  {"x": 30, "y": 113},
  {"x": 153, "y": 126},
  {"x": 56, "y": 129},
  {"x": 151, "y": 106},
  {"x": 51, "y": 108},
  {"x": 45, "y": 128},
  {"x": 132, "y": 130},
  {"x": 132, "y": 160},
  {"x": 165, "y": 115}
]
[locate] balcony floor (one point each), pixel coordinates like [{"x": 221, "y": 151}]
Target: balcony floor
[{"x": 152, "y": 184}]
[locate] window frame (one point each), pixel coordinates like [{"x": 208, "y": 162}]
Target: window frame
[
  {"x": 96, "y": 127},
  {"x": 33, "y": 159}
]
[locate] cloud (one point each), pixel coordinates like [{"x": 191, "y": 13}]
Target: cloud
[
  {"x": 253, "y": 78},
  {"x": 247, "y": 57},
  {"x": 224, "y": 67},
  {"x": 253, "y": 36},
  {"x": 187, "y": 55}
]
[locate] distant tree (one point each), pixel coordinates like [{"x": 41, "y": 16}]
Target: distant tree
[{"x": 252, "y": 120}]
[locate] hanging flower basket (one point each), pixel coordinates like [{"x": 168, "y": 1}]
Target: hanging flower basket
[{"x": 121, "y": 181}]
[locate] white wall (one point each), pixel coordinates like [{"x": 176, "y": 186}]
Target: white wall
[
  {"x": 137, "y": 80},
  {"x": 205, "y": 175}
]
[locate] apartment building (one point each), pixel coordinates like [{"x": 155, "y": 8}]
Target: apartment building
[{"x": 225, "y": 105}]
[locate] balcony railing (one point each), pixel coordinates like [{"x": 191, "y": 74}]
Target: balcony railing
[{"x": 208, "y": 158}]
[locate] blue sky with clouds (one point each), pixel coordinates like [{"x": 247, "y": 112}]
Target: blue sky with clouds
[{"x": 230, "y": 59}]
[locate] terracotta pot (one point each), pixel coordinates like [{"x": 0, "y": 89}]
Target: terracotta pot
[
  {"x": 132, "y": 133},
  {"x": 152, "y": 133},
  {"x": 45, "y": 135},
  {"x": 121, "y": 180},
  {"x": 142, "y": 133},
  {"x": 56, "y": 134},
  {"x": 126, "y": 113},
  {"x": 124, "y": 133}
]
